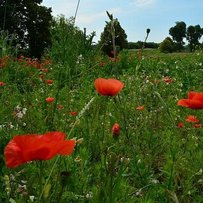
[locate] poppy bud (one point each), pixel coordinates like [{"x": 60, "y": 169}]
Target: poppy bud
[
  {"x": 192, "y": 119},
  {"x": 49, "y": 99},
  {"x": 2, "y": 83},
  {"x": 140, "y": 108},
  {"x": 180, "y": 125},
  {"x": 74, "y": 113},
  {"x": 49, "y": 82},
  {"x": 116, "y": 130}
]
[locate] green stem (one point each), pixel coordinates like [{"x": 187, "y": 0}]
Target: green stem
[{"x": 76, "y": 10}]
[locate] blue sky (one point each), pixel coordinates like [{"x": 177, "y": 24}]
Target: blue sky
[{"x": 135, "y": 16}]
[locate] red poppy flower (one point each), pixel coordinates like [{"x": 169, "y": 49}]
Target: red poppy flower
[
  {"x": 192, "y": 119},
  {"x": 44, "y": 70},
  {"x": 167, "y": 80},
  {"x": 2, "y": 84},
  {"x": 194, "y": 100},
  {"x": 59, "y": 107},
  {"x": 180, "y": 125},
  {"x": 102, "y": 63},
  {"x": 108, "y": 87},
  {"x": 116, "y": 130},
  {"x": 197, "y": 125},
  {"x": 49, "y": 82},
  {"x": 74, "y": 113},
  {"x": 24, "y": 148},
  {"x": 49, "y": 99},
  {"x": 140, "y": 108}
]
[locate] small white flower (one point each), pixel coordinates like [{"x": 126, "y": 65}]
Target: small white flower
[
  {"x": 32, "y": 198},
  {"x": 19, "y": 114},
  {"x": 24, "y": 111},
  {"x": 155, "y": 181},
  {"x": 89, "y": 195}
]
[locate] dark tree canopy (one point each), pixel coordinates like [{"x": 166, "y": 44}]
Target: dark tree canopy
[
  {"x": 193, "y": 35},
  {"x": 29, "y": 21},
  {"x": 178, "y": 32},
  {"x": 167, "y": 45},
  {"x": 106, "y": 41}
]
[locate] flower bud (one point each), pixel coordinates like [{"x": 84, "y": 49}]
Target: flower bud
[{"x": 116, "y": 130}]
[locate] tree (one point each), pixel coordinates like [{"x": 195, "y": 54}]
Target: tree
[
  {"x": 113, "y": 31},
  {"x": 178, "y": 32},
  {"x": 167, "y": 45},
  {"x": 29, "y": 22},
  {"x": 193, "y": 35}
]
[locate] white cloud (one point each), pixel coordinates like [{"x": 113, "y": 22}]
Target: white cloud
[
  {"x": 63, "y": 7},
  {"x": 144, "y": 3},
  {"x": 89, "y": 18}
]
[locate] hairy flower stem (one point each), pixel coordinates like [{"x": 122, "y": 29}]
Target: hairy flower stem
[
  {"x": 124, "y": 118},
  {"x": 76, "y": 10},
  {"x": 52, "y": 169},
  {"x": 40, "y": 172},
  {"x": 143, "y": 45}
]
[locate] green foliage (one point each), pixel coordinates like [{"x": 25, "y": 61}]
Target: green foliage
[
  {"x": 167, "y": 45},
  {"x": 193, "y": 35},
  {"x": 70, "y": 47},
  {"x": 178, "y": 33},
  {"x": 6, "y": 44},
  {"x": 30, "y": 24},
  {"x": 113, "y": 34}
]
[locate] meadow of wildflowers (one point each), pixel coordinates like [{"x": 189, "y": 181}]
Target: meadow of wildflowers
[{"x": 127, "y": 129}]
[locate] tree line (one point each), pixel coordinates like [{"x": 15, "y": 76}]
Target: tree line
[
  {"x": 29, "y": 27},
  {"x": 180, "y": 32},
  {"x": 192, "y": 34}
]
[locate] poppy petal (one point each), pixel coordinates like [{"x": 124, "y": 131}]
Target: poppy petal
[
  {"x": 25, "y": 148},
  {"x": 193, "y": 104},
  {"x": 67, "y": 147},
  {"x": 53, "y": 136},
  {"x": 108, "y": 87},
  {"x": 12, "y": 155},
  {"x": 198, "y": 96}
]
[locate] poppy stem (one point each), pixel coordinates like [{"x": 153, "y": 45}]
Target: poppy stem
[
  {"x": 166, "y": 108},
  {"x": 47, "y": 180},
  {"x": 124, "y": 117},
  {"x": 40, "y": 175}
]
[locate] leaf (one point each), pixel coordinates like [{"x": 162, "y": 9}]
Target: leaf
[
  {"x": 109, "y": 15},
  {"x": 12, "y": 200},
  {"x": 173, "y": 196},
  {"x": 46, "y": 190}
]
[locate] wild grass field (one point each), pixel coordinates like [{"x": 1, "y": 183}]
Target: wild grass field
[{"x": 127, "y": 139}]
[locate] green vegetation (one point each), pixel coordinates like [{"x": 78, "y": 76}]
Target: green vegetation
[
  {"x": 179, "y": 32},
  {"x": 153, "y": 153},
  {"x": 29, "y": 23}
]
